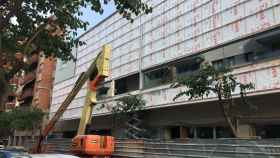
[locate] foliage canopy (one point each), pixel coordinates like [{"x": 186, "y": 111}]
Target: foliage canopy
[
  {"x": 21, "y": 119},
  {"x": 129, "y": 104},
  {"x": 48, "y": 26},
  {"x": 128, "y": 108},
  {"x": 221, "y": 82},
  {"x": 51, "y": 26}
]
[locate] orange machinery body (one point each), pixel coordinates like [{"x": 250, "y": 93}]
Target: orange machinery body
[{"x": 93, "y": 145}]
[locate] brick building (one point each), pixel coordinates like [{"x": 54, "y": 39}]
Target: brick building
[{"x": 32, "y": 88}]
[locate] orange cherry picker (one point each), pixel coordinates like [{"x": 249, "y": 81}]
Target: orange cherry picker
[{"x": 84, "y": 144}]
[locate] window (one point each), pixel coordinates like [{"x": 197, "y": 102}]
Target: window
[
  {"x": 11, "y": 98},
  {"x": 127, "y": 84},
  {"x": 268, "y": 131},
  {"x": 230, "y": 62},
  {"x": 175, "y": 132},
  {"x": 103, "y": 90},
  {"x": 157, "y": 77},
  {"x": 266, "y": 55},
  {"x": 186, "y": 68},
  {"x": 246, "y": 58},
  {"x": 223, "y": 132},
  {"x": 249, "y": 57},
  {"x": 178, "y": 132},
  {"x": 204, "y": 132},
  {"x": 227, "y": 62},
  {"x": 218, "y": 64}
]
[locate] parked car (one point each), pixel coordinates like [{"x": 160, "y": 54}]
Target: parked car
[
  {"x": 19, "y": 149},
  {"x": 52, "y": 156},
  {"x": 2, "y": 147},
  {"x": 13, "y": 154}
]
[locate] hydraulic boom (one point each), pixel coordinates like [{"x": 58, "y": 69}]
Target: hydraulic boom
[{"x": 96, "y": 72}]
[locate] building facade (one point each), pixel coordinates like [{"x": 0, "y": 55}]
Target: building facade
[
  {"x": 148, "y": 54},
  {"x": 33, "y": 87}
]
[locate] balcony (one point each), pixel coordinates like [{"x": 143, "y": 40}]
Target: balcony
[
  {"x": 26, "y": 93},
  {"x": 31, "y": 76},
  {"x": 10, "y": 105},
  {"x": 14, "y": 81}
]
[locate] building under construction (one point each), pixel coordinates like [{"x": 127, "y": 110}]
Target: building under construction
[{"x": 148, "y": 54}]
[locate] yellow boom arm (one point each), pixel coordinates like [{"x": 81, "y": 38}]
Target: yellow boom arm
[
  {"x": 102, "y": 66},
  {"x": 97, "y": 71}
]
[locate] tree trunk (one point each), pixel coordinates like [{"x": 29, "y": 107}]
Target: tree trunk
[{"x": 227, "y": 118}]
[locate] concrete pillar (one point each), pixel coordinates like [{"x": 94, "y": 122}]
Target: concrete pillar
[
  {"x": 14, "y": 141},
  {"x": 195, "y": 132},
  {"x": 246, "y": 131},
  {"x": 214, "y": 133},
  {"x": 19, "y": 141},
  {"x": 9, "y": 141}
]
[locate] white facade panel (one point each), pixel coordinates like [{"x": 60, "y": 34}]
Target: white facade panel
[
  {"x": 176, "y": 28},
  {"x": 260, "y": 21},
  {"x": 277, "y": 12}
]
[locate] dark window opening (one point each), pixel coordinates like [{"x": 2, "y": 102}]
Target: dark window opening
[
  {"x": 27, "y": 101},
  {"x": 191, "y": 132},
  {"x": 102, "y": 91},
  {"x": 246, "y": 58},
  {"x": 225, "y": 63},
  {"x": 11, "y": 98},
  {"x": 223, "y": 132},
  {"x": 204, "y": 132},
  {"x": 175, "y": 132},
  {"x": 218, "y": 64},
  {"x": 127, "y": 84},
  {"x": 157, "y": 77},
  {"x": 269, "y": 131},
  {"x": 178, "y": 132},
  {"x": 186, "y": 68}
]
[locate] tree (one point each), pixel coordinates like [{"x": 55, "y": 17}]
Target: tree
[
  {"x": 128, "y": 108},
  {"x": 52, "y": 25},
  {"x": 221, "y": 82},
  {"x": 20, "y": 119},
  {"x": 4, "y": 87},
  {"x": 48, "y": 26}
]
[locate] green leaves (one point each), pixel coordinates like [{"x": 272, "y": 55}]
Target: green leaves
[
  {"x": 128, "y": 108},
  {"x": 50, "y": 26},
  {"x": 21, "y": 119},
  {"x": 210, "y": 80},
  {"x": 129, "y": 104},
  {"x": 32, "y": 15},
  {"x": 217, "y": 81}
]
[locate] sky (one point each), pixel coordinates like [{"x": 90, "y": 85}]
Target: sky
[{"x": 94, "y": 18}]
